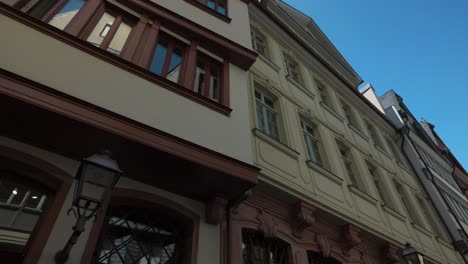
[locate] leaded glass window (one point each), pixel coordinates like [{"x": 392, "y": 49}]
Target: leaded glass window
[
  {"x": 150, "y": 235},
  {"x": 257, "y": 249}
]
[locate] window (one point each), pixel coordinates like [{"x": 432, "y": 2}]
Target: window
[
  {"x": 21, "y": 204},
  {"x": 112, "y": 31},
  {"x": 373, "y": 134},
  {"x": 317, "y": 258},
  {"x": 460, "y": 211},
  {"x": 167, "y": 58},
  {"x": 259, "y": 42},
  {"x": 312, "y": 142},
  {"x": 143, "y": 235},
  {"x": 257, "y": 249},
  {"x": 379, "y": 185},
  {"x": 116, "y": 31},
  {"x": 349, "y": 115},
  {"x": 410, "y": 210},
  {"x": 217, "y": 5},
  {"x": 324, "y": 95},
  {"x": 347, "y": 159},
  {"x": 434, "y": 165},
  {"x": 267, "y": 116},
  {"x": 395, "y": 152},
  {"x": 208, "y": 77},
  {"x": 429, "y": 215},
  {"x": 292, "y": 68}
]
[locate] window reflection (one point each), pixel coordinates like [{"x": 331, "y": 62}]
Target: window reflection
[
  {"x": 167, "y": 58},
  {"x": 66, "y": 13},
  {"x": 207, "y": 78}
]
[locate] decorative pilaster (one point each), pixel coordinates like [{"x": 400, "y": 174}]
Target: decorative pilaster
[
  {"x": 267, "y": 224},
  {"x": 391, "y": 254},
  {"x": 215, "y": 210},
  {"x": 350, "y": 238},
  {"x": 303, "y": 218}
]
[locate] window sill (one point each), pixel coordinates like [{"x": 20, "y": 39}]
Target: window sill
[
  {"x": 363, "y": 195},
  {"x": 209, "y": 10},
  {"x": 331, "y": 111},
  {"x": 114, "y": 60},
  {"x": 300, "y": 86},
  {"x": 281, "y": 146},
  {"x": 357, "y": 131},
  {"x": 268, "y": 62},
  {"x": 324, "y": 171},
  {"x": 393, "y": 212}
]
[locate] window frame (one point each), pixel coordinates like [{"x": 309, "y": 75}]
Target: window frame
[
  {"x": 206, "y": 88},
  {"x": 316, "y": 138},
  {"x": 405, "y": 199},
  {"x": 374, "y": 135},
  {"x": 289, "y": 60},
  {"x": 348, "y": 158},
  {"x": 254, "y": 33},
  {"x": 276, "y": 113},
  {"x": 324, "y": 92},
  {"x": 124, "y": 196},
  {"x": 350, "y": 115},
  {"x": 380, "y": 185},
  {"x": 204, "y": 6}
]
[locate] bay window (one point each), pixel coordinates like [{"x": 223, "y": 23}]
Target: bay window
[
  {"x": 208, "y": 77},
  {"x": 111, "y": 31},
  {"x": 167, "y": 58},
  {"x": 141, "y": 39}
]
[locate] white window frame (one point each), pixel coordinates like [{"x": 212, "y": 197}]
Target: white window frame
[
  {"x": 257, "y": 35},
  {"x": 312, "y": 142},
  {"x": 262, "y": 105}
]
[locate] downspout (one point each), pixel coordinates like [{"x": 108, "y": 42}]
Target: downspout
[{"x": 405, "y": 131}]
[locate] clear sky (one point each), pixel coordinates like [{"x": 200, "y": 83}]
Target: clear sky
[{"x": 419, "y": 48}]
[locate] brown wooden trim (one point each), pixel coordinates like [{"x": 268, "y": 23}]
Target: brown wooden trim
[
  {"x": 239, "y": 55},
  {"x": 130, "y": 47},
  {"x": 126, "y": 196},
  {"x": 113, "y": 59},
  {"x": 190, "y": 66},
  {"x": 225, "y": 92},
  {"x": 78, "y": 23},
  {"x": 44, "y": 97},
  {"x": 203, "y": 7},
  {"x": 52, "y": 177}
]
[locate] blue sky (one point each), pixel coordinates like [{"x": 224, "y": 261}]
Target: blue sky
[{"x": 419, "y": 48}]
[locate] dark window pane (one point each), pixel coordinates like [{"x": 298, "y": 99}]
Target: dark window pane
[
  {"x": 211, "y": 4},
  {"x": 40, "y": 10},
  {"x": 159, "y": 57}
]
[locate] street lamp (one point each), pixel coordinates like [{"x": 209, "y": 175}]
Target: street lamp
[
  {"x": 95, "y": 178},
  {"x": 412, "y": 255}
]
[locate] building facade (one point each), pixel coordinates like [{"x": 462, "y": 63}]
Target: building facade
[
  {"x": 238, "y": 125},
  {"x": 434, "y": 170},
  {"x": 162, "y": 85},
  {"x": 459, "y": 172},
  {"x": 334, "y": 185}
]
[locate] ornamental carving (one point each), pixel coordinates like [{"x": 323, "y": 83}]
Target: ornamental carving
[
  {"x": 303, "y": 218},
  {"x": 246, "y": 195},
  {"x": 215, "y": 210},
  {"x": 267, "y": 224},
  {"x": 391, "y": 253},
  {"x": 350, "y": 239},
  {"x": 323, "y": 245}
]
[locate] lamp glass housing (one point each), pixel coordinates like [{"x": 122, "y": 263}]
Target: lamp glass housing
[{"x": 95, "y": 179}]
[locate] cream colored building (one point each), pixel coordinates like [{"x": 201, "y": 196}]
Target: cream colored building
[
  {"x": 318, "y": 140},
  {"x": 163, "y": 85}
]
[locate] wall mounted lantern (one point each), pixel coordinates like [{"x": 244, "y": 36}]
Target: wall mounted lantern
[
  {"x": 412, "y": 255},
  {"x": 95, "y": 179}
]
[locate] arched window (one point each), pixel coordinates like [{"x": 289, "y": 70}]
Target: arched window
[
  {"x": 139, "y": 232},
  {"x": 257, "y": 249},
  {"x": 317, "y": 258}
]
